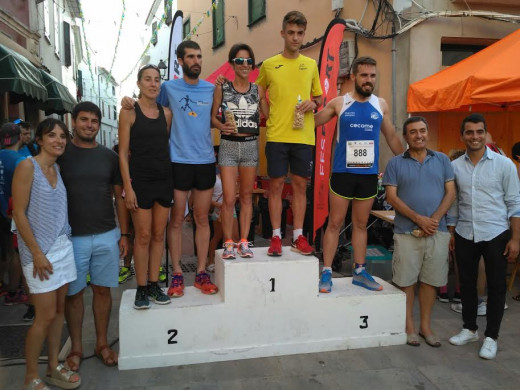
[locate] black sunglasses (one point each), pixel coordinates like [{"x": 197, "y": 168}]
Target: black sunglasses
[{"x": 240, "y": 61}]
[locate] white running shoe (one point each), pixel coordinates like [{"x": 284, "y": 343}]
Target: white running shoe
[
  {"x": 489, "y": 349},
  {"x": 464, "y": 337}
]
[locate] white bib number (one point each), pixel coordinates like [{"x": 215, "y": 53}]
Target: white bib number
[{"x": 360, "y": 154}]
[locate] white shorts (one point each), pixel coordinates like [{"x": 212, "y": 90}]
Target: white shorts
[{"x": 61, "y": 256}]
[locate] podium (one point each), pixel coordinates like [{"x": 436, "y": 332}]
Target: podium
[{"x": 266, "y": 306}]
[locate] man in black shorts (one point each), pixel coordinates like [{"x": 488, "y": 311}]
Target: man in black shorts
[
  {"x": 361, "y": 117},
  {"x": 294, "y": 92}
]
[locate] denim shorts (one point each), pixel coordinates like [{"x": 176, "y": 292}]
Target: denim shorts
[{"x": 97, "y": 255}]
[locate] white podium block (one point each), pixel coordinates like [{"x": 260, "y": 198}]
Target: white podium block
[{"x": 265, "y": 307}]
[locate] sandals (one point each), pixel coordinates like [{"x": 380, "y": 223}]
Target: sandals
[
  {"x": 412, "y": 339},
  {"x": 73, "y": 366},
  {"x": 432, "y": 340},
  {"x": 61, "y": 377},
  {"x": 516, "y": 297},
  {"x": 111, "y": 356},
  {"x": 36, "y": 384}
]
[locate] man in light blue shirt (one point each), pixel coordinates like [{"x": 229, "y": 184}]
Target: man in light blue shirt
[{"x": 485, "y": 221}]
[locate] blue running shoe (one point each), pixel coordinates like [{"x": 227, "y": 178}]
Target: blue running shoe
[
  {"x": 326, "y": 281},
  {"x": 364, "y": 279}
]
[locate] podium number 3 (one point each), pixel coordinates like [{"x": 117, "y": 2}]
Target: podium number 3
[
  {"x": 172, "y": 333},
  {"x": 272, "y": 280},
  {"x": 364, "y": 324}
]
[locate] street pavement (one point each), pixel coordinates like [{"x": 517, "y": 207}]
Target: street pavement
[{"x": 394, "y": 367}]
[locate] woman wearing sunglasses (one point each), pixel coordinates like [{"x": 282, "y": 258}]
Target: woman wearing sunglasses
[
  {"x": 238, "y": 153},
  {"x": 144, "y": 159}
]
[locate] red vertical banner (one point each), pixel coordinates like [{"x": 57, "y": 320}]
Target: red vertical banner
[{"x": 329, "y": 70}]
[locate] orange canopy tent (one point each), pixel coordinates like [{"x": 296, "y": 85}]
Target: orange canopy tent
[{"x": 486, "y": 81}]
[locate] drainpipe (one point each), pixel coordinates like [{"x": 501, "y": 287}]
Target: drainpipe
[{"x": 394, "y": 79}]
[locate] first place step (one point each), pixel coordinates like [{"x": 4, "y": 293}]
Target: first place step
[{"x": 265, "y": 307}]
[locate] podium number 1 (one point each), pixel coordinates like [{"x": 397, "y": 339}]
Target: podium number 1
[{"x": 272, "y": 284}]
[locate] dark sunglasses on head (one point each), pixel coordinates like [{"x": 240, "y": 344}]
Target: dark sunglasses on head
[{"x": 240, "y": 61}]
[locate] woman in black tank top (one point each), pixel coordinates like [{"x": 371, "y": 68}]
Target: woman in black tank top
[{"x": 144, "y": 160}]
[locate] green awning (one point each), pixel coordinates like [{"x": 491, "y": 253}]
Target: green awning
[
  {"x": 60, "y": 100},
  {"x": 18, "y": 75}
]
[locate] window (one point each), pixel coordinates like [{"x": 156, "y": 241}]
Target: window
[
  {"x": 115, "y": 112},
  {"x": 66, "y": 44},
  {"x": 113, "y": 91},
  {"x": 154, "y": 33},
  {"x": 256, "y": 11},
  {"x": 46, "y": 20},
  {"x": 168, "y": 11},
  {"x": 455, "y": 49},
  {"x": 186, "y": 28},
  {"x": 57, "y": 28},
  {"x": 218, "y": 25}
]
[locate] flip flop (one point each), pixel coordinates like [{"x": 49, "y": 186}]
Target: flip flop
[
  {"x": 432, "y": 340},
  {"x": 60, "y": 377},
  {"x": 516, "y": 297},
  {"x": 111, "y": 355},
  {"x": 73, "y": 366},
  {"x": 412, "y": 339}
]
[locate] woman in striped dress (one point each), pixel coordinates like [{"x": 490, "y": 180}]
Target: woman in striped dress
[{"x": 40, "y": 214}]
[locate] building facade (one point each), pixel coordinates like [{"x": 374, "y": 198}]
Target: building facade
[{"x": 43, "y": 38}]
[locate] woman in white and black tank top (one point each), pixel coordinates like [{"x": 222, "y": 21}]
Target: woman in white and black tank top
[
  {"x": 46, "y": 254},
  {"x": 239, "y": 124}
]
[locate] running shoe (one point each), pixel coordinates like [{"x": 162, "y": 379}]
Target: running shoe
[
  {"x": 157, "y": 295},
  {"x": 124, "y": 274},
  {"x": 176, "y": 289},
  {"x": 301, "y": 245},
  {"x": 243, "y": 249},
  {"x": 326, "y": 281},
  {"x": 203, "y": 282},
  {"x": 141, "y": 299},
  {"x": 275, "y": 249},
  {"x": 29, "y": 314},
  {"x": 456, "y": 297},
  {"x": 443, "y": 297},
  {"x": 3, "y": 289},
  {"x": 229, "y": 250},
  {"x": 18, "y": 298},
  {"x": 364, "y": 279},
  {"x": 162, "y": 274}
]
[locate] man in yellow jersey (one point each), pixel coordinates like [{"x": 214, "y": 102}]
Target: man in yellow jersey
[{"x": 294, "y": 90}]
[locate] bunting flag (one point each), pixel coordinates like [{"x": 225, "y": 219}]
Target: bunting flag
[
  {"x": 174, "y": 69},
  {"x": 329, "y": 70}
]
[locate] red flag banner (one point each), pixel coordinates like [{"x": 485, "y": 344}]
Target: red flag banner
[{"x": 329, "y": 69}]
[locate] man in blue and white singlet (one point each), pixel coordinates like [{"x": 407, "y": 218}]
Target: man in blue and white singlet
[{"x": 361, "y": 116}]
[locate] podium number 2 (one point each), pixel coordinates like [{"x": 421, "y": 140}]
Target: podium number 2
[
  {"x": 364, "y": 324},
  {"x": 272, "y": 284},
  {"x": 172, "y": 333}
]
